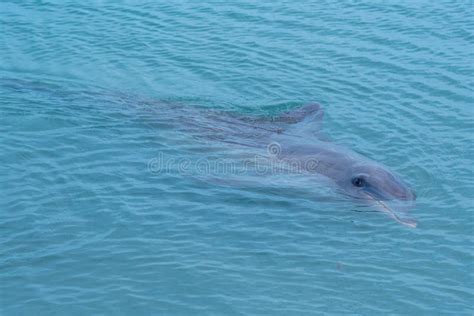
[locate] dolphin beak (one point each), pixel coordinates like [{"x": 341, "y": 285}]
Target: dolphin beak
[{"x": 388, "y": 210}]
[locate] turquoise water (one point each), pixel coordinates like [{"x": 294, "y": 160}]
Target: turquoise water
[{"x": 88, "y": 227}]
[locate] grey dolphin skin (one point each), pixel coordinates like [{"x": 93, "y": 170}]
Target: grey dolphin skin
[
  {"x": 357, "y": 177},
  {"x": 296, "y": 133}
]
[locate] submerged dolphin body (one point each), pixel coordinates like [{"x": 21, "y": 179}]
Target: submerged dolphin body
[{"x": 294, "y": 135}]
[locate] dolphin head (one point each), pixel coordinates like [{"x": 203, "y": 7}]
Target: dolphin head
[
  {"x": 355, "y": 175},
  {"x": 375, "y": 184}
]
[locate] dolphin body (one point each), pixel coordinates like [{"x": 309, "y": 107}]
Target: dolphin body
[{"x": 294, "y": 137}]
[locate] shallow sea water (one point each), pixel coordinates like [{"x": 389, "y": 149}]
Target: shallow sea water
[{"x": 89, "y": 227}]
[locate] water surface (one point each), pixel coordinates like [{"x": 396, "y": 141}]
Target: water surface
[{"x": 88, "y": 227}]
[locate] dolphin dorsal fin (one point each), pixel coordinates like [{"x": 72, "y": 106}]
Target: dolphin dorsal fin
[
  {"x": 308, "y": 112},
  {"x": 306, "y": 120}
]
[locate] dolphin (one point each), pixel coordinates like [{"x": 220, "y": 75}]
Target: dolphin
[{"x": 295, "y": 137}]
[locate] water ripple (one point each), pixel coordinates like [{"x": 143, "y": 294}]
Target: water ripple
[{"x": 90, "y": 94}]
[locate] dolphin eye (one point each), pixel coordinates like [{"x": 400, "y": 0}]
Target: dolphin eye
[{"x": 358, "y": 181}]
